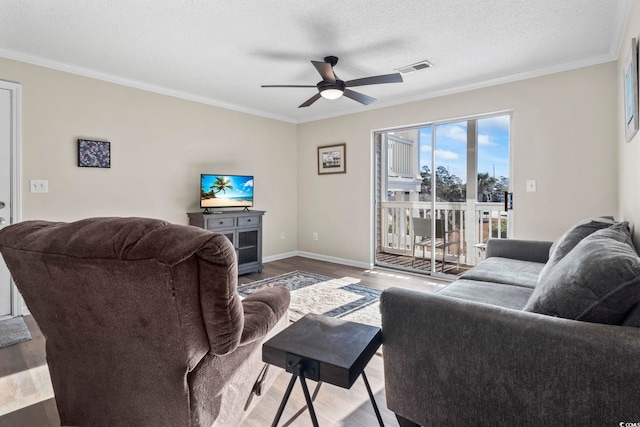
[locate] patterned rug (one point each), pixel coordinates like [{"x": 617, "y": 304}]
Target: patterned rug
[{"x": 314, "y": 293}]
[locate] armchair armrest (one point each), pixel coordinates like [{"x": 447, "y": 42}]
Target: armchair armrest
[
  {"x": 449, "y": 361},
  {"x": 525, "y": 250},
  {"x": 262, "y": 310}
]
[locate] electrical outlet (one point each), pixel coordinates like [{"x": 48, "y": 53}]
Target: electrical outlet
[
  {"x": 282, "y": 235},
  {"x": 315, "y": 236},
  {"x": 38, "y": 186}
]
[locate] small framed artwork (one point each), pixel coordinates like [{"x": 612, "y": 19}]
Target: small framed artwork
[
  {"x": 94, "y": 154},
  {"x": 630, "y": 77},
  {"x": 332, "y": 159}
]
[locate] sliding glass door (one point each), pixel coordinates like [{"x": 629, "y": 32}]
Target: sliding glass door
[{"x": 430, "y": 216}]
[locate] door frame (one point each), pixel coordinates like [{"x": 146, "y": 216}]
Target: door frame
[{"x": 17, "y": 305}]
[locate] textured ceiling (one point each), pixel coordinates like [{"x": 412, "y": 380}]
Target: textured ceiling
[{"x": 220, "y": 52}]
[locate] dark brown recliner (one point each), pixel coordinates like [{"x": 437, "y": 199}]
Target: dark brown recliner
[{"x": 142, "y": 320}]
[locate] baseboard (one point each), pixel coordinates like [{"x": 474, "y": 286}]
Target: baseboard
[
  {"x": 318, "y": 257},
  {"x": 279, "y": 256},
  {"x": 336, "y": 260}
]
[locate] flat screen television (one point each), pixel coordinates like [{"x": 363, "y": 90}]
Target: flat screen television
[{"x": 226, "y": 191}]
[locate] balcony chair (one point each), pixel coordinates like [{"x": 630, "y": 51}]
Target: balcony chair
[
  {"x": 421, "y": 235},
  {"x": 143, "y": 323}
]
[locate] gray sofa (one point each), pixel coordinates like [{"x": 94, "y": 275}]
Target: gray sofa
[{"x": 538, "y": 334}]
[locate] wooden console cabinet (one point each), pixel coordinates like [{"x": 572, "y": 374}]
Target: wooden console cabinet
[{"x": 243, "y": 228}]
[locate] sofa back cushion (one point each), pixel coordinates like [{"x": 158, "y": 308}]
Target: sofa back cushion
[
  {"x": 573, "y": 236},
  {"x": 633, "y": 317},
  {"x": 597, "y": 281}
]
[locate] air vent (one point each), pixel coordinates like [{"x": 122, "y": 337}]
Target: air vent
[{"x": 422, "y": 65}]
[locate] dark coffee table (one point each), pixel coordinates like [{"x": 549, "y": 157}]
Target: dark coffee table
[{"x": 323, "y": 349}]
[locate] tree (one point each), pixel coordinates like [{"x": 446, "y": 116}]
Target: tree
[
  {"x": 220, "y": 184},
  {"x": 486, "y": 185},
  {"x": 425, "y": 186},
  {"x": 449, "y": 187},
  {"x": 502, "y": 185}
]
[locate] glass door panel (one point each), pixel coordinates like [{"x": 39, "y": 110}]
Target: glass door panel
[{"x": 449, "y": 161}]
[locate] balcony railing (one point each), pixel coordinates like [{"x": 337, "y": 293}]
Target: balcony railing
[{"x": 472, "y": 225}]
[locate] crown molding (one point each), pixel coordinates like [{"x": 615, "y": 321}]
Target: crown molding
[
  {"x": 463, "y": 87},
  {"x": 93, "y": 74},
  {"x": 466, "y": 87}
]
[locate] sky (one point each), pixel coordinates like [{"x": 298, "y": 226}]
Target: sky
[
  {"x": 451, "y": 147},
  {"x": 242, "y": 185}
]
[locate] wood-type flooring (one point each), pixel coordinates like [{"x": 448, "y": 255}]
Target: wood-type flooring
[{"x": 26, "y": 396}]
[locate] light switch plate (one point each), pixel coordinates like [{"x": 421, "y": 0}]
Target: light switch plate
[
  {"x": 531, "y": 185},
  {"x": 39, "y": 186}
]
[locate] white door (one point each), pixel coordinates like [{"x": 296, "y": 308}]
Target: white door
[{"x": 6, "y": 299}]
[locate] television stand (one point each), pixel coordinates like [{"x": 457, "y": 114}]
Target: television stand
[{"x": 243, "y": 228}]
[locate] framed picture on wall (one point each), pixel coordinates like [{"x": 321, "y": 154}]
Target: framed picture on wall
[
  {"x": 94, "y": 154},
  {"x": 332, "y": 159},
  {"x": 630, "y": 79}
]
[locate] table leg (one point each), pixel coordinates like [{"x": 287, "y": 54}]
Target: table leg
[
  {"x": 304, "y": 408},
  {"x": 285, "y": 398},
  {"x": 373, "y": 400},
  {"x": 307, "y": 396}
]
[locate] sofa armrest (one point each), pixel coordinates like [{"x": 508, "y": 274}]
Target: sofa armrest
[
  {"x": 262, "y": 310},
  {"x": 525, "y": 250},
  {"x": 449, "y": 361}
]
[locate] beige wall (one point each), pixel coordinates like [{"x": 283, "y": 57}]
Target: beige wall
[
  {"x": 159, "y": 144},
  {"x": 563, "y": 136},
  {"x": 629, "y": 153}
]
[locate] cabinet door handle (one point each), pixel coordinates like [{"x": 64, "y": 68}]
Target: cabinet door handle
[
  {"x": 221, "y": 222},
  {"x": 248, "y": 220}
]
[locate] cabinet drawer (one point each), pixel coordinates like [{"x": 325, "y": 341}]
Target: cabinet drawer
[
  {"x": 217, "y": 223},
  {"x": 248, "y": 220}
]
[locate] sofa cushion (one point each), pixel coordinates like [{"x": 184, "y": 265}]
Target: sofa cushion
[
  {"x": 573, "y": 236},
  {"x": 502, "y": 295},
  {"x": 598, "y": 281},
  {"x": 633, "y": 317},
  {"x": 579, "y": 231},
  {"x": 588, "y": 227},
  {"x": 506, "y": 270}
]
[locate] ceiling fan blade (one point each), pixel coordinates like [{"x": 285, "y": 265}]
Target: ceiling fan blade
[
  {"x": 288, "y": 86},
  {"x": 310, "y": 101},
  {"x": 357, "y": 96},
  {"x": 375, "y": 80},
  {"x": 326, "y": 71}
]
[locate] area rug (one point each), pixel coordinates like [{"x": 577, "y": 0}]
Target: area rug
[
  {"x": 343, "y": 298},
  {"x": 13, "y": 331}
]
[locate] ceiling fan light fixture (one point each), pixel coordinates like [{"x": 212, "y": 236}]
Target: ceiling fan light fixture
[
  {"x": 331, "y": 93},
  {"x": 331, "y": 87}
]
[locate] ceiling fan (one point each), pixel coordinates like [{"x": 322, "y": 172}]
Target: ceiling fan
[{"x": 331, "y": 87}]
